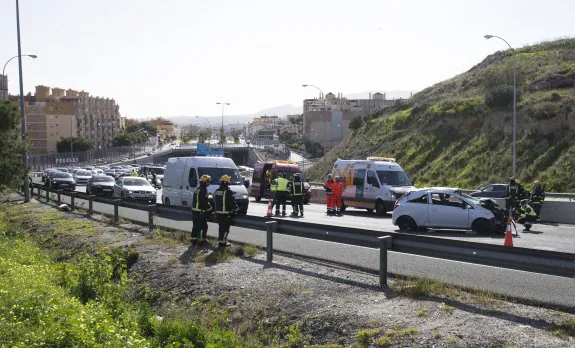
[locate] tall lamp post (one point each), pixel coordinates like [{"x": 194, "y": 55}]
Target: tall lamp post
[
  {"x": 8, "y": 61},
  {"x": 223, "y": 104},
  {"x": 514, "y": 101},
  {"x": 25, "y": 155},
  {"x": 316, "y": 87}
]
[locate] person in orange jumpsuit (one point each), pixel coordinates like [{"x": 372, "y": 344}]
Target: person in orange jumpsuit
[
  {"x": 327, "y": 185},
  {"x": 336, "y": 192}
]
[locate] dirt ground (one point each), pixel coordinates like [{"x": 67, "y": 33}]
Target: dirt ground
[{"x": 301, "y": 302}]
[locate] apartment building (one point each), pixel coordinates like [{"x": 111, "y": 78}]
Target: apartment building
[
  {"x": 54, "y": 113},
  {"x": 326, "y": 121}
]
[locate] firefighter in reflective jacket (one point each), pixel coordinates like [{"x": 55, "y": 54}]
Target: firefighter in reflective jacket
[
  {"x": 527, "y": 215},
  {"x": 281, "y": 193},
  {"x": 327, "y": 185},
  {"x": 337, "y": 192},
  {"x": 537, "y": 198},
  {"x": 200, "y": 210},
  {"x": 226, "y": 208},
  {"x": 515, "y": 192},
  {"x": 296, "y": 190}
]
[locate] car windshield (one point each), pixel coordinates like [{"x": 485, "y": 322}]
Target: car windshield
[
  {"x": 103, "y": 179},
  {"x": 134, "y": 181},
  {"x": 83, "y": 173},
  {"x": 467, "y": 197},
  {"x": 62, "y": 175},
  {"x": 157, "y": 170},
  {"x": 217, "y": 173},
  {"x": 393, "y": 178}
]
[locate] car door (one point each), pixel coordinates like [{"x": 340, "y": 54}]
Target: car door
[
  {"x": 499, "y": 191},
  {"x": 190, "y": 182},
  {"x": 372, "y": 187},
  {"x": 418, "y": 209},
  {"x": 448, "y": 211}
]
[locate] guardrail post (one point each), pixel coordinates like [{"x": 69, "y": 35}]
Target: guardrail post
[
  {"x": 59, "y": 193},
  {"x": 90, "y": 205},
  {"x": 384, "y": 244},
  {"x": 116, "y": 216},
  {"x": 271, "y": 227},
  {"x": 72, "y": 198},
  {"x": 151, "y": 209}
]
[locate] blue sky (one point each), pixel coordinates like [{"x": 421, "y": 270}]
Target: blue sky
[{"x": 178, "y": 57}]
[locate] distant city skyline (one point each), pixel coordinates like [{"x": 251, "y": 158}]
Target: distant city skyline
[{"x": 180, "y": 57}]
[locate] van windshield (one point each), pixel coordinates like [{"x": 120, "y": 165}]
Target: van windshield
[
  {"x": 393, "y": 178},
  {"x": 217, "y": 173}
]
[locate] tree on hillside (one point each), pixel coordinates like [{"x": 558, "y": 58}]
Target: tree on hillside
[
  {"x": 78, "y": 145},
  {"x": 129, "y": 138},
  {"x": 147, "y": 126},
  {"x": 11, "y": 148},
  {"x": 356, "y": 123}
]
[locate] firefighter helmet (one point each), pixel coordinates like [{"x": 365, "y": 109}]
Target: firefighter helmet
[
  {"x": 205, "y": 179},
  {"x": 225, "y": 179}
]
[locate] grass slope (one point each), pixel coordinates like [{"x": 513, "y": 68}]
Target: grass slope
[{"x": 458, "y": 132}]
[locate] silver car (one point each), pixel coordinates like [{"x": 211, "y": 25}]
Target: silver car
[
  {"x": 442, "y": 208},
  {"x": 133, "y": 187},
  {"x": 82, "y": 176}
]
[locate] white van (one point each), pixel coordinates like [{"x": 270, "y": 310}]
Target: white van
[
  {"x": 183, "y": 174},
  {"x": 372, "y": 184}
]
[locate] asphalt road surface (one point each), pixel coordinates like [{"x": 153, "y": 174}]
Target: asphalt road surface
[
  {"x": 546, "y": 236},
  {"x": 531, "y": 286}
]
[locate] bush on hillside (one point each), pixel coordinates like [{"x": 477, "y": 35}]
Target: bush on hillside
[
  {"x": 499, "y": 97},
  {"x": 356, "y": 123}
]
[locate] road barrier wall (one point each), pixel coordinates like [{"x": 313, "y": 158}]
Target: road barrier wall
[{"x": 560, "y": 212}]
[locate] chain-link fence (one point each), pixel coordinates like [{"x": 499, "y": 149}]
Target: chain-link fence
[{"x": 90, "y": 157}]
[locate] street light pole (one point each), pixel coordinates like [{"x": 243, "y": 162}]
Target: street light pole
[
  {"x": 514, "y": 101},
  {"x": 8, "y": 61},
  {"x": 223, "y": 104},
  {"x": 25, "y": 155},
  {"x": 316, "y": 87}
]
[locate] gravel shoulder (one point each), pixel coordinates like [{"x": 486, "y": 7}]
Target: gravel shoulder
[{"x": 297, "y": 302}]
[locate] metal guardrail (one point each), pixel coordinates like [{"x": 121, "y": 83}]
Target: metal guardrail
[{"x": 531, "y": 260}]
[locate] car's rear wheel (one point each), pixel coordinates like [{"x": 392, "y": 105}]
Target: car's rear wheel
[
  {"x": 258, "y": 199},
  {"x": 380, "y": 208},
  {"x": 406, "y": 223},
  {"x": 482, "y": 226},
  {"x": 167, "y": 201}
]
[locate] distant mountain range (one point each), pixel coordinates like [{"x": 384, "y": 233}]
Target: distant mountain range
[{"x": 281, "y": 111}]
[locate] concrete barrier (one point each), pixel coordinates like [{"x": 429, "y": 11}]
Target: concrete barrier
[{"x": 562, "y": 212}]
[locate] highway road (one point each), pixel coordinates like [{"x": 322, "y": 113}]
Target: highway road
[
  {"x": 554, "y": 237},
  {"x": 530, "y": 286}
]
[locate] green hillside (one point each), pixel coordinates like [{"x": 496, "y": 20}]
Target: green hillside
[{"x": 458, "y": 132}]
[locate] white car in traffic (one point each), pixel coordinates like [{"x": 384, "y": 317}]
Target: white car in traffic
[
  {"x": 442, "y": 208},
  {"x": 133, "y": 187}
]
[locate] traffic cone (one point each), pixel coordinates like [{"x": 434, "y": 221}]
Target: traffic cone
[
  {"x": 269, "y": 213},
  {"x": 508, "y": 236}
]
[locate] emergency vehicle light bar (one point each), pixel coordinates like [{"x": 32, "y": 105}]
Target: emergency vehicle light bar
[{"x": 389, "y": 159}]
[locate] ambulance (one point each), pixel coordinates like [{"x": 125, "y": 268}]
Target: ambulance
[{"x": 373, "y": 184}]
